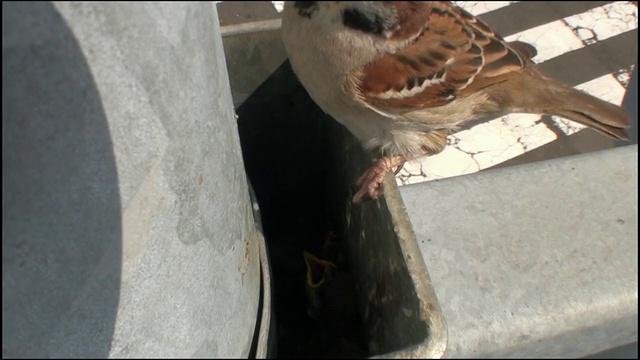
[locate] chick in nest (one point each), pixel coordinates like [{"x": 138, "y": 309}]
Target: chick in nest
[{"x": 331, "y": 301}]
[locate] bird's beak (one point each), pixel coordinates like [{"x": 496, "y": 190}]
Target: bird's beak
[{"x": 317, "y": 270}]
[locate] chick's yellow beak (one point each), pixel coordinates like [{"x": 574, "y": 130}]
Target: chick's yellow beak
[{"x": 317, "y": 269}]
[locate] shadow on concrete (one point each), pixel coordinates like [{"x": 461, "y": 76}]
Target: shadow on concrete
[
  {"x": 286, "y": 147},
  {"x": 61, "y": 232},
  {"x": 283, "y": 162},
  {"x": 530, "y": 14}
]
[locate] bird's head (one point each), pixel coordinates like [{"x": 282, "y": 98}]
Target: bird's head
[
  {"x": 318, "y": 271},
  {"x": 397, "y": 20}
]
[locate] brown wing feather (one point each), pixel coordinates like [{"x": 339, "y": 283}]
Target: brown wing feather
[{"x": 455, "y": 53}]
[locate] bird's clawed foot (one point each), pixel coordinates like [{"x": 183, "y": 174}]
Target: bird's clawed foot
[{"x": 370, "y": 182}]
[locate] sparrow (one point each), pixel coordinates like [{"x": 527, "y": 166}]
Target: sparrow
[{"x": 401, "y": 75}]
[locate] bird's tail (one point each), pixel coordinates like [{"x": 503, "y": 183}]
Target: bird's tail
[
  {"x": 600, "y": 115},
  {"x": 559, "y": 99}
]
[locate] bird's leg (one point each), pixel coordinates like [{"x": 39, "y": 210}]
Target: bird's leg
[{"x": 371, "y": 181}]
